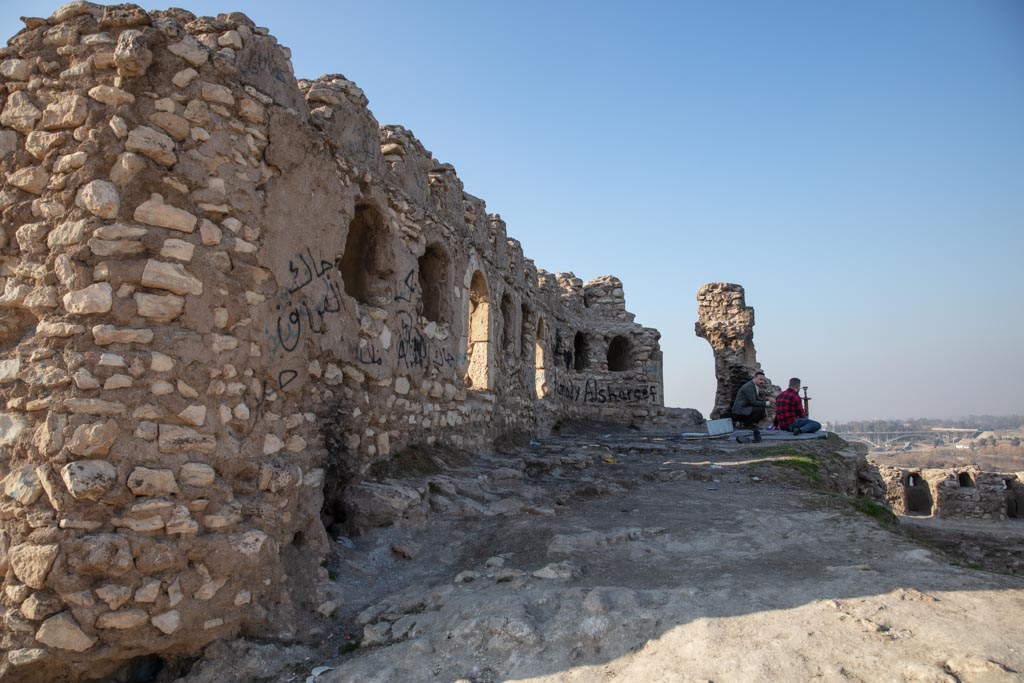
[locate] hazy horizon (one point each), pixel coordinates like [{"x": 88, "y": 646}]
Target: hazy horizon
[{"x": 855, "y": 166}]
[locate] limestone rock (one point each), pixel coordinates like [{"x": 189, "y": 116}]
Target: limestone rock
[
  {"x": 31, "y": 179},
  {"x": 196, "y": 474},
  {"x": 105, "y": 335},
  {"x": 168, "y": 622},
  {"x": 66, "y": 234},
  {"x": 171, "y": 277},
  {"x": 90, "y": 440},
  {"x": 25, "y": 656},
  {"x": 159, "y": 308},
  {"x": 32, "y": 563},
  {"x": 9, "y": 370},
  {"x": 16, "y": 69},
  {"x": 190, "y": 50},
  {"x": 372, "y": 504},
  {"x": 20, "y": 113},
  {"x": 153, "y": 144},
  {"x": 100, "y": 198},
  {"x": 103, "y": 555},
  {"x": 96, "y": 298},
  {"x": 39, "y": 143},
  {"x": 125, "y": 168},
  {"x": 40, "y": 606},
  {"x": 109, "y": 95},
  {"x": 88, "y": 479},
  {"x": 69, "y": 111},
  {"x": 62, "y": 632},
  {"x": 144, "y": 481},
  {"x": 22, "y": 484},
  {"x": 122, "y": 619},
  {"x": 176, "y": 439},
  {"x": 132, "y": 54},
  {"x": 11, "y": 427},
  {"x": 115, "y": 595},
  {"x": 155, "y": 212}
]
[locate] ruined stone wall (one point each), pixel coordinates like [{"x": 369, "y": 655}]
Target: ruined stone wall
[
  {"x": 218, "y": 280},
  {"x": 727, "y": 323},
  {"x": 953, "y": 493}
]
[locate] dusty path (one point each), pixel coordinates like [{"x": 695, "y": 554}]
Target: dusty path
[{"x": 675, "y": 562}]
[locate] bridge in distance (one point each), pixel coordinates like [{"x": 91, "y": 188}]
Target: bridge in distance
[{"x": 880, "y": 439}]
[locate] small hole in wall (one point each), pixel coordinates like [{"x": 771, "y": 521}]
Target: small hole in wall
[
  {"x": 965, "y": 480},
  {"x": 143, "y": 669}
]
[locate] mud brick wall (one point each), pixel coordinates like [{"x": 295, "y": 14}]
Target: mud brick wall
[{"x": 222, "y": 287}]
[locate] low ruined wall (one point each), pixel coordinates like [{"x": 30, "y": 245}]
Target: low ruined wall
[
  {"x": 224, "y": 289},
  {"x": 953, "y": 493}
]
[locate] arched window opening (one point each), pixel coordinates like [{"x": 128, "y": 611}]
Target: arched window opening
[
  {"x": 366, "y": 263},
  {"x": 539, "y": 375},
  {"x": 478, "y": 349},
  {"x": 434, "y": 286},
  {"x": 1014, "y": 499},
  {"x": 619, "y": 352},
  {"x": 965, "y": 480},
  {"x": 919, "y": 495},
  {"x": 580, "y": 349},
  {"x": 507, "y": 340},
  {"x": 586, "y": 299},
  {"x": 524, "y": 334}
]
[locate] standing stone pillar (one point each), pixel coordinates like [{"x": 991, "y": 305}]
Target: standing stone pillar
[{"x": 724, "y": 319}]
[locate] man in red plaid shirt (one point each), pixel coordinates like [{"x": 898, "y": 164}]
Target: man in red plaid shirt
[{"x": 789, "y": 411}]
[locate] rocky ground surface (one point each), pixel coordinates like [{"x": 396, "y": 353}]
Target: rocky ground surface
[{"x": 635, "y": 556}]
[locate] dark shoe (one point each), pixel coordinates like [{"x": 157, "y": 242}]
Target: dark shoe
[
  {"x": 757, "y": 435},
  {"x": 796, "y": 430}
]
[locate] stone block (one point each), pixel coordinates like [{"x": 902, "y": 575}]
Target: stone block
[
  {"x": 105, "y": 335},
  {"x": 32, "y": 563},
  {"x": 99, "y": 198},
  {"x": 94, "y": 439},
  {"x": 22, "y": 484},
  {"x": 196, "y": 474},
  {"x": 171, "y": 277},
  {"x": 122, "y": 619},
  {"x": 153, "y": 144},
  {"x": 159, "y": 308},
  {"x": 154, "y": 211},
  {"x": 177, "y": 439},
  {"x": 62, "y": 632},
  {"x": 96, "y": 298},
  {"x": 144, "y": 481},
  {"x": 88, "y": 479}
]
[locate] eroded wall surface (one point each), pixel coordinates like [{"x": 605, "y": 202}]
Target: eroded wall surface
[
  {"x": 727, "y": 323},
  {"x": 219, "y": 282},
  {"x": 954, "y": 493}
]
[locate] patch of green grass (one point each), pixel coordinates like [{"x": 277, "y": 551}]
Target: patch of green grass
[
  {"x": 803, "y": 463},
  {"x": 876, "y": 511},
  {"x": 974, "y": 565}
]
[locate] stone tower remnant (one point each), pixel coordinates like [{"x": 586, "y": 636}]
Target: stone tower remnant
[
  {"x": 724, "y": 319},
  {"x": 223, "y": 289}
]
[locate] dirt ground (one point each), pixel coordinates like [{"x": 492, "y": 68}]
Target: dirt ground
[{"x": 636, "y": 556}]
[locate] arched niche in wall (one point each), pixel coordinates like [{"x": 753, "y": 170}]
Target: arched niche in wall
[
  {"x": 919, "y": 495},
  {"x": 367, "y": 262},
  {"x": 435, "y": 289},
  {"x": 580, "y": 350},
  {"x": 965, "y": 480},
  {"x": 539, "y": 373},
  {"x": 508, "y": 340},
  {"x": 478, "y": 348},
  {"x": 525, "y": 327},
  {"x": 620, "y": 352}
]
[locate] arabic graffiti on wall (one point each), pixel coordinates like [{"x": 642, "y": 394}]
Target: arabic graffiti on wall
[{"x": 311, "y": 295}]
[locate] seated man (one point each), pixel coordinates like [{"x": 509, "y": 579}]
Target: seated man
[
  {"x": 789, "y": 411},
  {"x": 748, "y": 408}
]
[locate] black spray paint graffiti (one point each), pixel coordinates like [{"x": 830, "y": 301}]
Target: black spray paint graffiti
[
  {"x": 592, "y": 392},
  {"x": 311, "y": 297},
  {"x": 414, "y": 350}
]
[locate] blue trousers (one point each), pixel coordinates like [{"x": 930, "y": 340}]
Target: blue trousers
[{"x": 803, "y": 425}]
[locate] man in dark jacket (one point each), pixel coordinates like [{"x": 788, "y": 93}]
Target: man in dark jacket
[{"x": 748, "y": 407}]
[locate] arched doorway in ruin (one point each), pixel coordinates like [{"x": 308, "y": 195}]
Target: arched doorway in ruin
[
  {"x": 539, "y": 375},
  {"x": 619, "y": 354},
  {"x": 919, "y": 495},
  {"x": 435, "y": 289},
  {"x": 478, "y": 345},
  {"x": 366, "y": 264}
]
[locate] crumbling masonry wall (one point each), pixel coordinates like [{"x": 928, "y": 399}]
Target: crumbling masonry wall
[
  {"x": 727, "y": 323},
  {"x": 216, "y": 281},
  {"x": 954, "y": 493}
]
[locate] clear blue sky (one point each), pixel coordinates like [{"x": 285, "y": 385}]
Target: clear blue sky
[{"x": 857, "y": 166}]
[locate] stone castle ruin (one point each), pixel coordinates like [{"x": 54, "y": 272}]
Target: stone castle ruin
[
  {"x": 223, "y": 290},
  {"x": 954, "y": 493}
]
